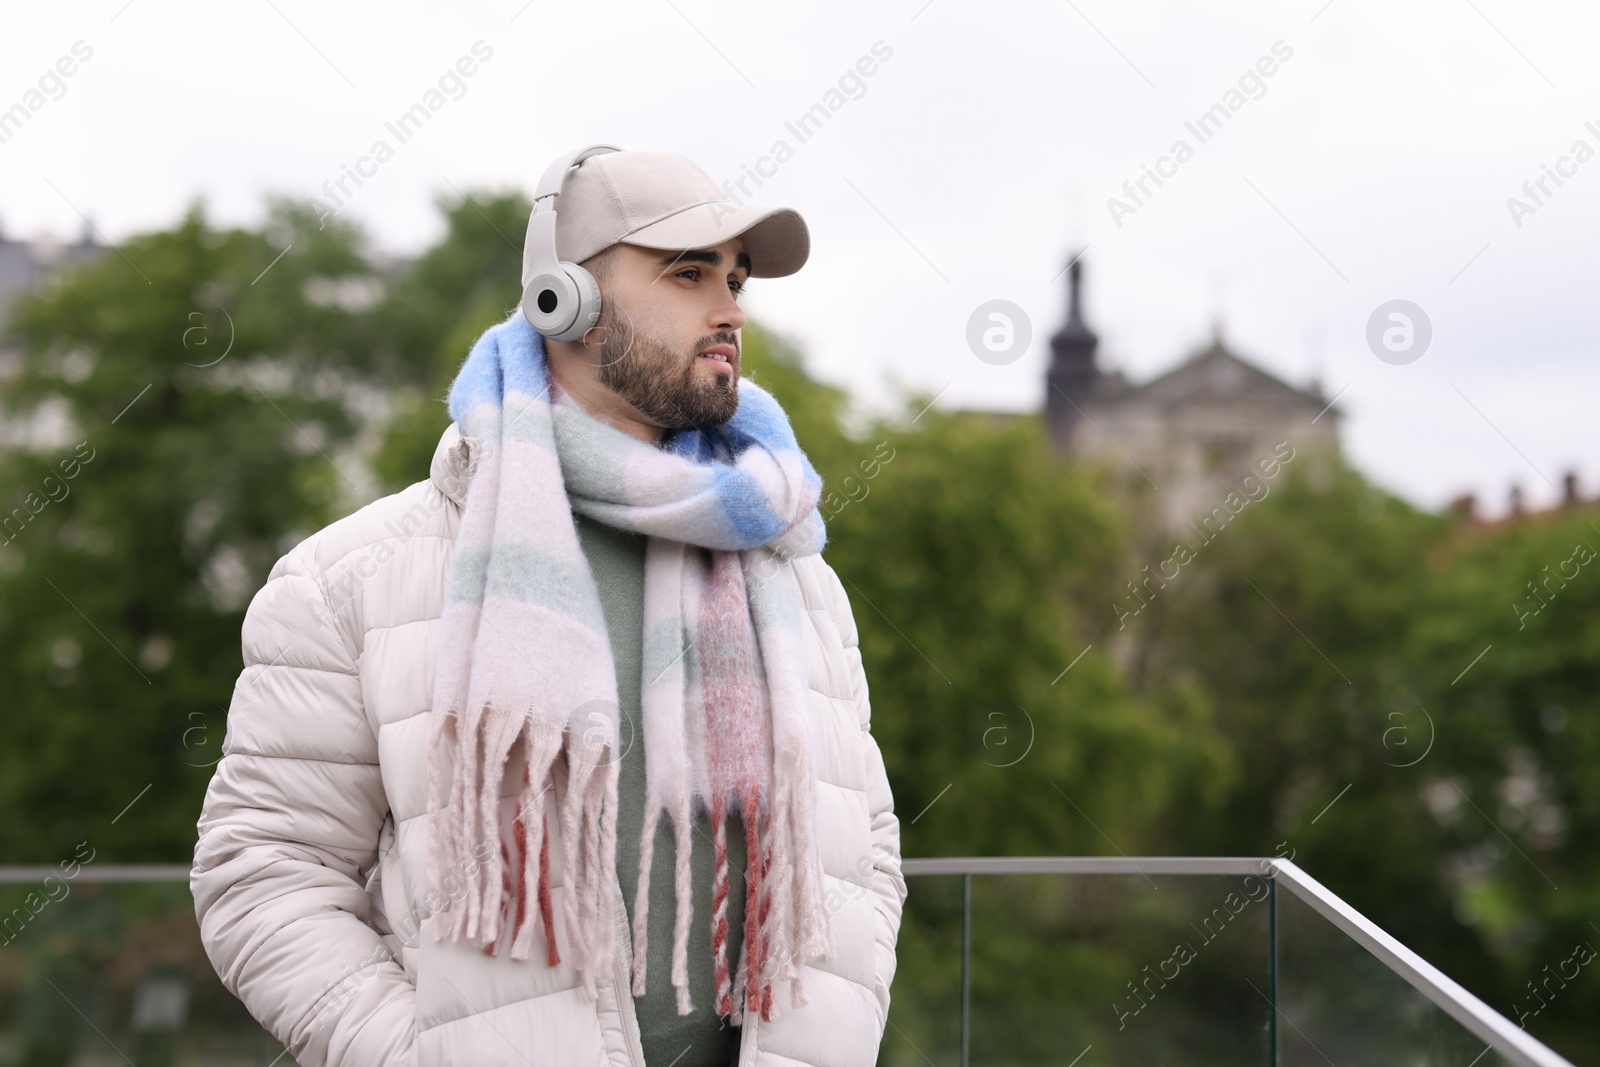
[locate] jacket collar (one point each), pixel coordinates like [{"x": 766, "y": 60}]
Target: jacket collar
[{"x": 454, "y": 461}]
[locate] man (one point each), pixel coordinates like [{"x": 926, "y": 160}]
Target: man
[{"x": 599, "y": 638}]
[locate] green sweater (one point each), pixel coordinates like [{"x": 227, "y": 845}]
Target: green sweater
[{"x": 701, "y": 1038}]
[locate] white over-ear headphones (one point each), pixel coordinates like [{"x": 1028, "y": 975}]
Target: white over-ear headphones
[{"x": 561, "y": 300}]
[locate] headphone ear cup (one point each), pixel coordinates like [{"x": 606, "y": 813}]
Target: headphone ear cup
[
  {"x": 589, "y": 302},
  {"x": 565, "y": 306}
]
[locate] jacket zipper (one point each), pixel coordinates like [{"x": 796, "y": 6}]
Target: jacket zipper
[
  {"x": 621, "y": 976},
  {"x": 622, "y": 981}
]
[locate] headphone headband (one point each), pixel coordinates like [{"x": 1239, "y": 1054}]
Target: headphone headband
[{"x": 556, "y": 176}]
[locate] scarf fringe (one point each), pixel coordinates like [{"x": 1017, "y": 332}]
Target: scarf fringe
[
  {"x": 475, "y": 749},
  {"x": 719, "y": 909},
  {"x": 685, "y": 901},
  {"x": 786, "y": 919},
  {"x": 641, "y": 898}
]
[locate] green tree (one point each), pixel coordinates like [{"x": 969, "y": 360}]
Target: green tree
[
  {"x": 208, "y": 382},
  {"x": 978, "y": 563},
  {"x": 1508, "y": 651},
  {"x": 459, "y": 288},
  {"x": 1296, "y": 620},
  {"x": 972, "y": 556}
]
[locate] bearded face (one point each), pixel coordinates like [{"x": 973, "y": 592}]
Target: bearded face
[{"x": 665, "y": 378}]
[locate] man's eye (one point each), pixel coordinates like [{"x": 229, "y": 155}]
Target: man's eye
[{"x": 735, "y": 284}]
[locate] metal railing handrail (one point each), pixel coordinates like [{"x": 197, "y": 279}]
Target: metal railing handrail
[
  {"x": 1182, "y": 865},
  {"x": 125, "y": 872},
  {"x": 1512, "y": 1042}
]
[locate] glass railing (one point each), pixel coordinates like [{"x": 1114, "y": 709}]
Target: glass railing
[
  {"x": 105, "y": 966},
  {"x": 1063, "y": 961},
  {"x": 1195, "y": 961}
]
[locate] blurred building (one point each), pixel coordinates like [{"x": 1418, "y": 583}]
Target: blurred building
[
  {"x": 27, "y": 266},
  {"x": 1194, "y": 433},
  {"x": 1466, "y": 506}
]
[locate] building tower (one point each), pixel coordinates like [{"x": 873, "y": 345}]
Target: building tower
[{"x": 1072, "y": 372}]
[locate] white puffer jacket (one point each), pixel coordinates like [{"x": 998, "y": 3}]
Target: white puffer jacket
[{"x": 310, "y": 872}]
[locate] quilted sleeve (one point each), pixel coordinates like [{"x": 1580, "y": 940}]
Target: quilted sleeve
[
  {"x": 888, "y": 884},
  {"x": 289, "y": 828}
]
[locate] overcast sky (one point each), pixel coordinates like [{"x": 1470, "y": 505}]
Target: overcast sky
[{"x": 1374, "y": 163}]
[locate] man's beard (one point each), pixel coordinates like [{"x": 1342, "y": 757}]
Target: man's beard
[{"x": 661, "y": 382}]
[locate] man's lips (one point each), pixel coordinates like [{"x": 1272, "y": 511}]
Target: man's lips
[{"x": 727, "y": 353}]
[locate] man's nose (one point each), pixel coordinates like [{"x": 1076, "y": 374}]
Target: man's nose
[{"x": 727, "y": 315}]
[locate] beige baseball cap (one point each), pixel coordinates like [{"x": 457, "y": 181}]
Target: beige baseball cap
[{"x": 661, "y": 200}]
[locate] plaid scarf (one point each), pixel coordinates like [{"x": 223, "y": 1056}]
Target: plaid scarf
[{"x": 525, "y": 660}]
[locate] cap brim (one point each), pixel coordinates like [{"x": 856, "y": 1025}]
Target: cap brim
[{"x": 775, "y": 237}]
